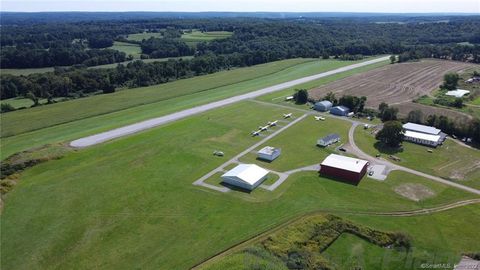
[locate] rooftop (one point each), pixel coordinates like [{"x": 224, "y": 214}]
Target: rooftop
[
  {"x": 331, "y": 137},
  {"x": 345, "y": 163},
  {"x": 422, "y": 136},
  {"x": 249, "y": 173},
  {"x": 267, "y": 150},
  {"x": 457, "y": 93},
  {"x": 421, "y": 128},
  {"x": 343, "y": 108},
  {"x": 325, "y": 102}
]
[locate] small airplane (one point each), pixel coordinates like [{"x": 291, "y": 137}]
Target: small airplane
[
  {"x": 272, "y": 124},
  {"x": 218, "y": 153},
  {"x": 288, "y": 115},
  {"x": 255, "y": 133},
  {"x": 319, "y": 118},
  {"x": 260, "y": 128}
]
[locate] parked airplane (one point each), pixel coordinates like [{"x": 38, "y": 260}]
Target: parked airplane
[
  {"x": 288, "y": 115},
  {"x": 255, "y": 133},
  {"x": 264, "y": 128},
  {"x": 272, "y": 124},
  {"x": 319, "y": 118}
]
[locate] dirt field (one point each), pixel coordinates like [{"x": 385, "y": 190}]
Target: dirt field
[
  {"x": 394, "y": 84},
  {"x": 414, "y": 192}
]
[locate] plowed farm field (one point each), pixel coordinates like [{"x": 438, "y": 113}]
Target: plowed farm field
[{"x": 393, "y": 84}]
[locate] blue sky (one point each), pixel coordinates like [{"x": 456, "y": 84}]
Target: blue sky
[{"x": 395, "y": 6}]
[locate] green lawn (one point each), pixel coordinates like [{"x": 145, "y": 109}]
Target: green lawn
[
  {"x": 127, "y": 48},
  {"x": 142, "y": 36},
  {"x": 451, "y": 160},
  {"x": 69, "y": 120},
  {"x": 300, "y": 151},
  {"x": 437, "y": 238},
  {"x": 25, "y": 71},
  {"x": 130, "y": 203},
  {"x": 196, "y": 35}
]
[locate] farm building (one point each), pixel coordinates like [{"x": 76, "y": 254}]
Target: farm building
[
  {"x": 422, "y": 134},
  {"x": 345, "y": 168},
  {"x": 269, "y": 153},
  {"x": 329, "y": 139},
  {"x": 340, "y": 110},
  {"x": 457, "y": 93},
  {"x": 246, "y": 176},
  {"x": 323, "y": 106}
]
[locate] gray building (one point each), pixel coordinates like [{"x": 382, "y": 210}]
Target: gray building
[
  {"x": 323, "y": 106},
  {"x": 269, "y": 153},
  {"x": 329, "y": 139},
  {"x": 340, "y": 110}
]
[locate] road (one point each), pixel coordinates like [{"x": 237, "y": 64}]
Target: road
[
  {"x": 358, "y": 152},
  {"x": 147, "y": 124}
]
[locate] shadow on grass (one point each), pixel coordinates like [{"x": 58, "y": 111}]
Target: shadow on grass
[
  {"x": 235, "y": 188},
  {"x": 385, "y": 149},
  {"x": 340, "y": 180}
]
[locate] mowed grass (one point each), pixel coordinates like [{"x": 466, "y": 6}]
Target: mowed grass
[
  {"x": 298, "y": 143},
  {"x": 436, "y": 238},
  {"x": 142, "y": 36},
  {"x": 196, "y": 35},
  {"x": 130, "y": 203},
  {"x": 450, "y": 161},
  {"x": 69, "y": 120},
  {"x": 127, "y": 48}
]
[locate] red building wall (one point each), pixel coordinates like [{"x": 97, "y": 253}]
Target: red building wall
[{"x": 349, "y": 176}]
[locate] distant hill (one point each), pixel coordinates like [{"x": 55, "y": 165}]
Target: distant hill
[{"x": 43, "y": 17}]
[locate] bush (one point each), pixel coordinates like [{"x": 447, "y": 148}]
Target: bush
[
  {"x": 301, "y": 96},
  {"x": 6, "y": 107}
]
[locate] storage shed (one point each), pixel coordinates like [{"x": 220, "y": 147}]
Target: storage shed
[
  {"x": 344, "y": 168},
  {"x": 269, "y": 153},
  {"x": 246, "y": 176},
  {"x": 323, "y": 106},
  {"x": 340, "y": 110},
  {"x": 329, "y": 139},
  {"x": 422, "y": 134}
]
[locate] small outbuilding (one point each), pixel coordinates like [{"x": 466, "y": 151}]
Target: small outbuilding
[
  {"x": 323, "y": 106},
  {"x": 344, "y": 168},
  {"x": 457, "y": 93},
  {"x": 269, "y": 153},
  {"x": 329, "y": 139},
  {"x": 340, "y": 110},
  {"x": 245, "y": 176}
]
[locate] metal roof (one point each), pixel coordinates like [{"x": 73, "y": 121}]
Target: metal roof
[
  {"x": 325, "y": 103},
  {"x": 342, "y": 108},
  {"x": 344, "y": 163},
  {"x": 267, "y": 150},
  {"x": 422, "y": 136},
  {"x": 421, "y": 128},
  {"x": 457, "y": 93},
  {"x": 331, "y": 137},
  {"x": 248, "y": 173}
]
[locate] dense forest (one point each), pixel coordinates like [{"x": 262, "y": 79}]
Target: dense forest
[{"x": 254, "y": 41}]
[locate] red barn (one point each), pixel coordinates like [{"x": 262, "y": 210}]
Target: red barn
[{"x": 344, "y": 168}]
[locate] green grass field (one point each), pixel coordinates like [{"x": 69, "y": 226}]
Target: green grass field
[
  {"x": 300, "y": 151},
  {"x": 205, "y": 36},
  {"x": 451, "y": 160},
  {"x": 37, "y": 126},
  {"x": 94, "y": 206},
  {"x": 127, "y": 48},
  {"x": 435, "y": 240},
  {"x": 142, "y": 36}
]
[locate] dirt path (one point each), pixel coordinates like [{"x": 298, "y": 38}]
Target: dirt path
[
  {"x": 265, "y": 234},
  {"x": 357, "y": 151}
]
